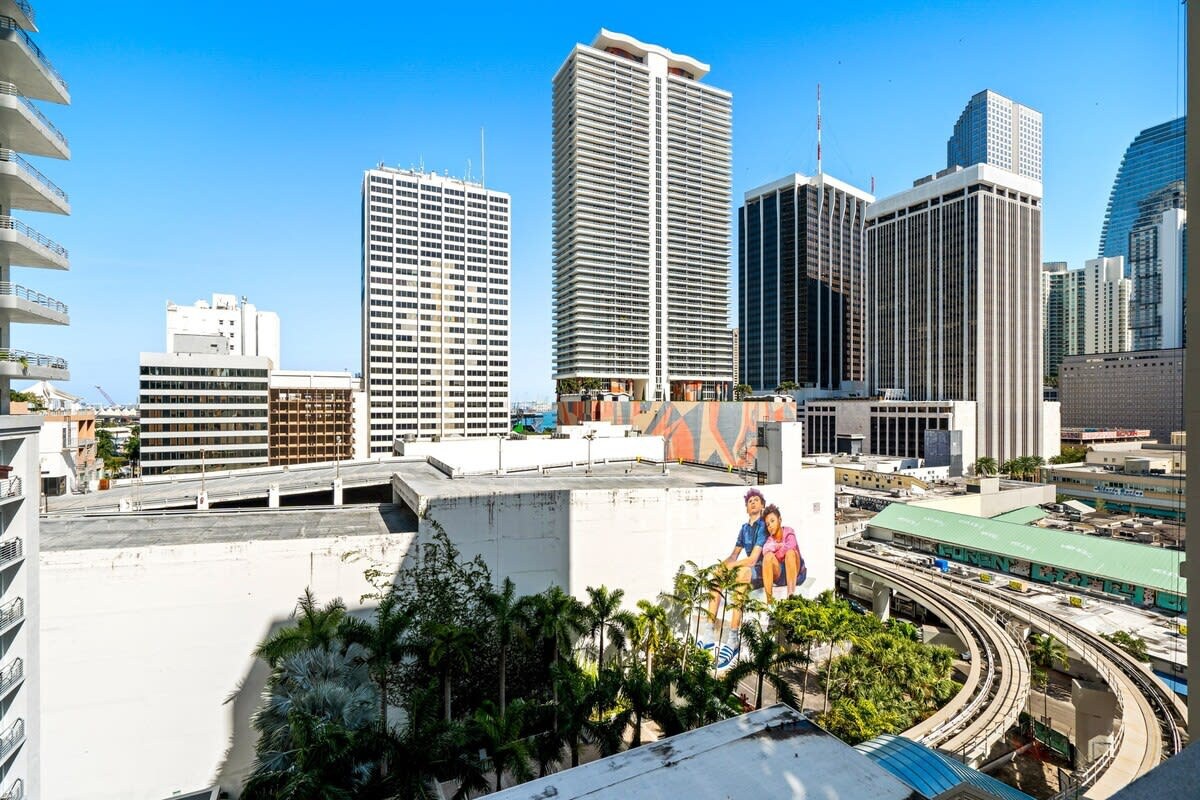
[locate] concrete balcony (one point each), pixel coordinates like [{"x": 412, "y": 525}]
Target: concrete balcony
[
  {"x": 11, "y": 739},
  {"x": 23, "y": 246},
  {"x": 24, "y": 63},
  {"x": 12, "y": 676},
  {"x": 14, "y": 792},
  {"x": 34, "y": 366},
  {"x": 23, "y": 186},
  {"x": 21, "y": 304},
  {"x": 19, "y": 11},
  {"x": 12, "y": 550},
  {"x": 24, "y": 128},
  {"x": 10, "y": 489},
  {"x": 12, "y": 614}
]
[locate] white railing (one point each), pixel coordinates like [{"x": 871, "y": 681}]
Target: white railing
[
  {"x": 11, "y": 89},
  {"x": 12, "y": 157},
  {"x": 28, "y": 359},
  {"x": 10, "y": 487},
  {"x": 13, "y": 224},
  {"x": 24, "y": 293},
  {"x": 10, "y": 24},
  {"x": 12, "y": 737},
  {"x": 15, "y": 792},
  {"x": 12, "y": 612},
  {"x": 10, "y": 551},
  {"x": 12, "y": 673}
]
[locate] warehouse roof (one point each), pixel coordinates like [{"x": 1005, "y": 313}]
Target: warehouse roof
[
  {"x": 1129, "y": 562},
  {"x": 1021, "y": 516}
]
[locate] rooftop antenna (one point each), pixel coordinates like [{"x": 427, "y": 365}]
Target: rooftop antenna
[
  {"x": 482, "y": 158},
  {"x": 818, "y": 129},
  {"x": 421, "y": 162},
  {"x": 872, "y": 184},
  {"x": 468, "y": 171}
]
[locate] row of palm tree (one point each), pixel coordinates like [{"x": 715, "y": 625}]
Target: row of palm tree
[
  {"x": 1021, "y": 467},
  {"x": 525, "y": 684}
]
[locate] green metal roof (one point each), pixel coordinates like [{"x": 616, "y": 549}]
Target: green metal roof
[
  {"x": 1021, "y": 516},
  {"x": 1129, "y": 562}
]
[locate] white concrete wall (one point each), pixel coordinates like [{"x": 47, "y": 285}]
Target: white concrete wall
[
  {"x": 488, "y": 455},
  {"x": 634, "y": 539},
  {"x": 143, "y": 647},
  {"x": 1051, "y": 429},
  {"x": 989, "y": 505}
]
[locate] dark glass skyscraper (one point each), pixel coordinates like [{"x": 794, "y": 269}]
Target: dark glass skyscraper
[
  {"x": 1153, "y": 160},
  {"x": 800, "y": 272}
]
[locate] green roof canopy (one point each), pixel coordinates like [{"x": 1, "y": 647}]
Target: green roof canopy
[
  {"x": 1127, "y": 562},
  {"x": 1021, "y": 516}
]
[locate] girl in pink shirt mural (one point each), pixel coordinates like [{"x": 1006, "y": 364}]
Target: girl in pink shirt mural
[{"x": 782, "y": 563}]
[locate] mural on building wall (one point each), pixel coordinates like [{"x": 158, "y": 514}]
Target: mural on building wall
[
  {"x": 714, "y": 433},
  {"x": 1137, "y": 595}
]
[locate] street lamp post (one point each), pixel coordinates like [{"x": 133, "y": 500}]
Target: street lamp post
[
  {"x": 337, "y": 464},
  {"x": 590, "y": 436},
  {"x": 203, "y": 452}
]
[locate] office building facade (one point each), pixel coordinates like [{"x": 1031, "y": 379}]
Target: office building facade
[
  {"x": 801, "y": 249},
  {"x": 995, "y": 130},
  {"x": 642, "y": 182},
  {"x": 953, "y": 299},
  {"x": 435, "y": 317},
  {"x": 316, "y": 416},
  {"x": 1137, "y": 390},
  {"x": 1153, "y": 160},
  {"x": 898, "y": 428},
  {"x": 249, "y": 332},
  {"x": 26, "y": 76},
  {"x": 1085, "y": 310},
  {"x": 1158, "y": 264}
]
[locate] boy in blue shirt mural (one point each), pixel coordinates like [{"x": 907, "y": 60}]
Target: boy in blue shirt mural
[{"x": 746, "y": 557}]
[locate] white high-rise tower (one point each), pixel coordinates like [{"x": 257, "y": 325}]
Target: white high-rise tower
[
  {"x": 642, "y": 222},
  {"x": 435, "y": 307}
]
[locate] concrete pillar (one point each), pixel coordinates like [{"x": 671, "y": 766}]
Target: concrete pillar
[
  {"x": 881, "y": 602},
  {"x": 273, "y": 495},
  {"x": 202, "y": 501},
  {"x": 1095, "y": 713},
  {"x": 337, "y": 491}
]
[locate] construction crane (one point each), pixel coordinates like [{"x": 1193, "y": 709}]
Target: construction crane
[{"x": 107, "y": 396}]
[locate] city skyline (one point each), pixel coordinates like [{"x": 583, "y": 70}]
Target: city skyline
[{"x": 221, "y": 115}]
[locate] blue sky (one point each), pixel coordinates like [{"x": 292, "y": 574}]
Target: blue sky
[{"x": 221, "y": 148}]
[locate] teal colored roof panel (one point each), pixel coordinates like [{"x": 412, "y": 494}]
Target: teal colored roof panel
[
  {"x": 1021, "y": 516},
  {"x": 1114, "y": 559},
  {"x": 929, "y": 772}
]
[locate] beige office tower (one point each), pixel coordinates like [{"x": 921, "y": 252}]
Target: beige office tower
[
  {"x": 435, "y": 307},
  {"x": 953, "y": 300},
  {"x": 642, "y": 222}
]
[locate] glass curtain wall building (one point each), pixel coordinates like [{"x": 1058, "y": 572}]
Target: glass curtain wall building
[
  {"x": 1153, "y": 160},
  {"x": 801, "y": 283},
  {"x": 1158, "y": 259}
]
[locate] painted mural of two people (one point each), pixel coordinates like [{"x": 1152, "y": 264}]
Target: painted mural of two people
[{"x": 766, "y": 556}]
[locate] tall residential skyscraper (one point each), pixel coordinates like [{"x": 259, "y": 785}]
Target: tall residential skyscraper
[
  {"x": 1085, "y": 310},
  {"x": 801, "y": 283},
  {"x": 435, "y": 322},
  {"x": 1158, "y": 256},
  {"x": 1153, "y": 160},
  {"x": 26, "y": 74},
  {"x": 995, "y": 130},
  {"x": 642, "y": 209},
  {"x": 953, "y": 289}
]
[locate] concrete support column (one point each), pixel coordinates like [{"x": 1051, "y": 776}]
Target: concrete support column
[
  {"x": 881, "y": 602},
  {"x": 202, "y": 501},
  {"x": 1095, "y": 715},
  {"x": 337, "y": 491},
  {"x": 273, "y": 496}
]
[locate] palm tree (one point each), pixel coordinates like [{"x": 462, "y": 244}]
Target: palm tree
[
  {"x": 787, "y": 386},
  {"x": 742, "y": 390},
  {"x": 500, "y": 736},
  {"x": 704, "y": 699},
  {"x": 725, "y": 581},
  {"x": 650, "y": 631},
  {"x": 510, "y": 617},
  {"x": 316, "y": 627},
  {"x": 801, "y": 623},
  {"x": 985, "y": 465},
  {"x": 1034, "y": 465},
  {"x": 451, "y": 646},
  {"x": 838, "y": 626},
  {"x": 383, "y": 644},
  {"x": 767, "y": 662},
  {"x": 604, "y": 614},
  {"x": 558, "y": 618},
  {"x": 1010, "y": 468},
  {"x": 1044, "y": 653}
]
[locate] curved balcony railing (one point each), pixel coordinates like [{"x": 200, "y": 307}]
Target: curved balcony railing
[
  {"x": 12, "y": 549},
  {"x": 12, "y": 673},
  {"x": 33, "y": 359},
  {"x": 12, "y": 737},
  {"x": 11, "y": 89},
  {"x": 10, "y": 24},
  {"x": 10, "y": 487},
  {"x": 14, "y": 792},
  {"x": 12, "y": 612},
  {"x": 14, "y": 224},
  {"x": 31, "y": 171},
  {"x": 37, "y": 298}
]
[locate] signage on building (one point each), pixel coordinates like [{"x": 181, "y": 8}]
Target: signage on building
[{"x": 1118, "y": 491}]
